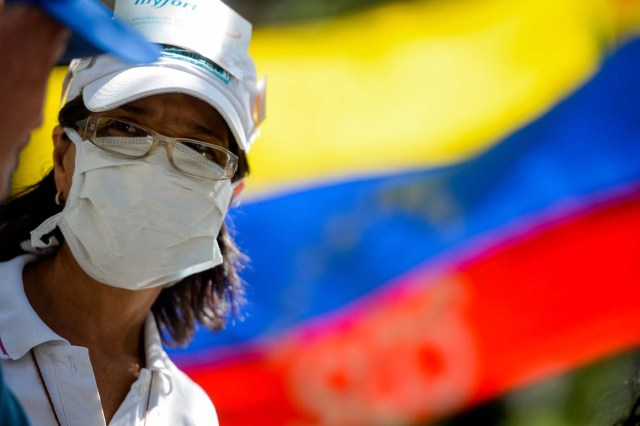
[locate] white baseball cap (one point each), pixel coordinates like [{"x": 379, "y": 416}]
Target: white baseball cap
[{"x": 204, "y": 54}]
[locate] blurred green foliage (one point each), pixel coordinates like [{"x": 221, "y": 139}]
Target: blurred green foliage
[{"x": 599, "y": 394}]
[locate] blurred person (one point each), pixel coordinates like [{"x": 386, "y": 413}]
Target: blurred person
[
  {"x": 123, "y": 244},
  {"x": 33, "y": 35}
]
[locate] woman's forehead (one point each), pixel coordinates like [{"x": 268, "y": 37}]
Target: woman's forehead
[{"x": 176, "y": 109}]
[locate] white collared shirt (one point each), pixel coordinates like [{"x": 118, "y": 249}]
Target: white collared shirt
[{"x": 173, "y": 398}]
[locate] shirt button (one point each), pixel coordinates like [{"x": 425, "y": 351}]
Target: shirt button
[{"x": 143, "y": 389}]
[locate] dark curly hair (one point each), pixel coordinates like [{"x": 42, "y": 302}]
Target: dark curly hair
[{"x": 208, "y": 297}]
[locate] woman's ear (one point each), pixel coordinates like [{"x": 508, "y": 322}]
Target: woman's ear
[{"x": 63, "y": 161}]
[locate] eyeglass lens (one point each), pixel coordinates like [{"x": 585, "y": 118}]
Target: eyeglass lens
[{"x": 190, "y": 156}]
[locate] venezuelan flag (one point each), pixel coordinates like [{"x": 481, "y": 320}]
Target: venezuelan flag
[{"x": 445, "y": 206}]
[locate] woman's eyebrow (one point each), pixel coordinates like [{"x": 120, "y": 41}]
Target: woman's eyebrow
[
  {"x": 193, "y": 126},
  {"x": 204, "y": 130},
  {"x": 134, "y": 109}
]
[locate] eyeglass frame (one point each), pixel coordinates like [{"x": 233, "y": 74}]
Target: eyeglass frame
[{"x": 229, "y": 171}]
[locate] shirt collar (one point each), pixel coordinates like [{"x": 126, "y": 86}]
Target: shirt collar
[
  {"x": 21, "y": 329},
  {"x": 157, "y": 358}
]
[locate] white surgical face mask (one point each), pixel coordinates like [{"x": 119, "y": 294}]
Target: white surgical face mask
[{"x": 137, "y": 224}]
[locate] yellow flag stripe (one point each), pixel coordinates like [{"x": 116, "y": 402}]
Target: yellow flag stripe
[{"x": 406, "y": 85}]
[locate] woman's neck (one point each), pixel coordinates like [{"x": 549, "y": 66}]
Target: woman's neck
[{"x": 84, "y": 311}]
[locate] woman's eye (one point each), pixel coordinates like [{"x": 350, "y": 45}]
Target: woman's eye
[
  {"x": 207, "y": 152},
  {"x": 204, "y": 150},
  {"x": 120, "y": 128},
  {"x": 124, "y": 128}
]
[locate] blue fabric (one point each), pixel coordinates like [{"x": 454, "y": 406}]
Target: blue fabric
[{"x": 11, "y": 413}]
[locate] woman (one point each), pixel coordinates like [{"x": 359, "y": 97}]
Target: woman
[{"x": 126, "y": 237}]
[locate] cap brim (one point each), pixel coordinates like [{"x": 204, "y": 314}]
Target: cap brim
[
  {"x": 94, "y": 23},
  {"x": 119, "y": 88}
]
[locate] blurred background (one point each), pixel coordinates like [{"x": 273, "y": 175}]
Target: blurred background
[{"x": 443, "y": 217}]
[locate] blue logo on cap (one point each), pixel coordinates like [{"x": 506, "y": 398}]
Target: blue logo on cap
[
  {"x": 197, "y": 60},
  {"x": 159, "y": 4}
]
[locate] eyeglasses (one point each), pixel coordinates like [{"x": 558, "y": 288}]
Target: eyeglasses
[{"x": 130, "y": 140}]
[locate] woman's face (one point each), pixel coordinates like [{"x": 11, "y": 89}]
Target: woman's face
[{"x": 172, "y": 114}]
